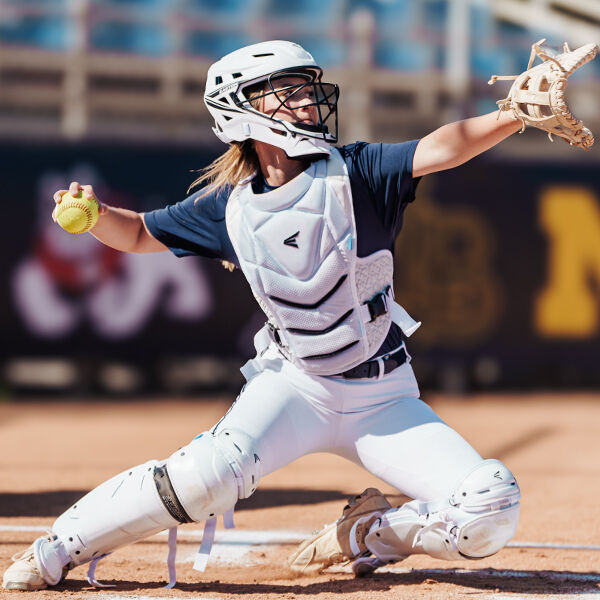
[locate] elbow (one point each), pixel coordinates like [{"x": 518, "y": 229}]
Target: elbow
[
  {"x": 437, "y": 153},
  {"x": 137, "y": 245},
  {"x": 439, "y": 161},
  {"x": 145, "y": 242},
  {"x": 453, "y": 157}
]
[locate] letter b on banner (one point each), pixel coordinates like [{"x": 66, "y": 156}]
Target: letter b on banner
[{"x": 569, "y": 305}]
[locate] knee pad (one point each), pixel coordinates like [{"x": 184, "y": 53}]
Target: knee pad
[
  {"x": 478, "y": 519},
  {"x": 487, "y": 508},
  {"x": 199, "y": 481},
  {"x": 212, "y": 472}
]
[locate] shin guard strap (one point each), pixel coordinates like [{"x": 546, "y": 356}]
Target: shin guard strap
[
  {"x": 171, "y": 558},
  {"x": 208, "y": 537},
  {"x": 91, "y": 574},
  {"x": 228, "y": 522}
]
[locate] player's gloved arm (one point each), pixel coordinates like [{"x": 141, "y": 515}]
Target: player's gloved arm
[
  {"x": 456, "y": 143},
  {"x": 118, "y": 228}
]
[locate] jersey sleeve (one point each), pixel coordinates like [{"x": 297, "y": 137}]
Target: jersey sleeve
[
  {"x": 194, "y": 227},
  {"x": 386, "y": 171}
]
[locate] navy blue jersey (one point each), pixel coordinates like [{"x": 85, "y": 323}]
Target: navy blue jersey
[{"x": 382, "y": 185}]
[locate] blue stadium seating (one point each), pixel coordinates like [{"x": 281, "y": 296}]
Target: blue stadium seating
[
  {"x": 146, "y": 4},
  {"x": 237, "y": 11},
  {"x": 316, "y": 12},
  {"x": 49, "y": 33},
  {"x": 435, "y": 14},
  {"x": 393, "y": 18},
  {"x": 327, "y": 52},
  {"x": 213, "y": 45},
  {"x": 47, "y": 4},
  {"x": 409, "y": 35},
  {"x": 406, "y": 55},
  {"x": 147, "y": 40},
  {"x": 487, "y": 61}
]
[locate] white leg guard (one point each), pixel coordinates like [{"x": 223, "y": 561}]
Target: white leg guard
[
  {"x": 199, "y": 481},
  {"x": 478, "y": 519}
]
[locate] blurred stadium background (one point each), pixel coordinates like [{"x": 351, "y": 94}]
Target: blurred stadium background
[{"x": 500, "y": 258}]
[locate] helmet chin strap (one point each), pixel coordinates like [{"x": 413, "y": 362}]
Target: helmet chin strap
[
  {"x": 293, "y": 144},
  {"x": 268, "y": 155}
]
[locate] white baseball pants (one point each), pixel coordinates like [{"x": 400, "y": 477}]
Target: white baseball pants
[{"x": 381, "y": 425}]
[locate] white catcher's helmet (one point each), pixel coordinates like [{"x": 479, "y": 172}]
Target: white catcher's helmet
[{"x": 231, "y": 79}]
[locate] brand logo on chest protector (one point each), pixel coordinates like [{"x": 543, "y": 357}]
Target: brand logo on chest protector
[{"x": 291, "y": 241}]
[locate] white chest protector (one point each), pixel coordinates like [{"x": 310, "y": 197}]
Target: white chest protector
[{"x": 327, "y": 309}]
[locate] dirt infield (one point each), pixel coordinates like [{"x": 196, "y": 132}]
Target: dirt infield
[{"x": 53, "y": 453}]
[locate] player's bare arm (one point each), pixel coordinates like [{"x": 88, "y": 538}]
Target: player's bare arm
[
  {"x": 118, "y": 228},
  {"x": 456, "y": 143}
]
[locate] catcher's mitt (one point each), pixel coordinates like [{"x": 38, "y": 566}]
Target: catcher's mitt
[{"x": 537, "y": 97}]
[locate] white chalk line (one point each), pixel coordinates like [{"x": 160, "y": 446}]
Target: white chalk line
[
  {"x": 552, "y": 575},
  {"x": 104, "y": 596},
  {"x": 552, "y": 546},
  {"x": 25, "y": 527},
  {"x": 235, "y": 547},
  {"x": 250, "y": 537},
  {"x": 591, "y": 596},
  {"x": 246, "y": 536},
  {"x": 519, "y": 596}
]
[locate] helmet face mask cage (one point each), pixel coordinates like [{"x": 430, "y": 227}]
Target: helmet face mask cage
[
  {"x": 302, "y": 111},
  {"x": 292, "y": 96}
]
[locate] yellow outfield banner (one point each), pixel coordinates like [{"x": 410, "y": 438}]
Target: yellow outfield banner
[{"x": 569, "y": 304}]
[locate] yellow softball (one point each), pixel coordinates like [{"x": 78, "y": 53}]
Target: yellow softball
[{"x": 77, "y": 214}]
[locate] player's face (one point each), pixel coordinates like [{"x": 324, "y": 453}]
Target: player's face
[{"x": 293, "y": 100}]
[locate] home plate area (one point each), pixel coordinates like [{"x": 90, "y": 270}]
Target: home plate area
[{"x": 551, "y": 442}]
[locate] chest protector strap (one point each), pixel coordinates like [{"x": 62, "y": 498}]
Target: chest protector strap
[{"x": 328, "y": 310}]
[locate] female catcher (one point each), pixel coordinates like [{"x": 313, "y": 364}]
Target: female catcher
[{"x": 312, "y": 227}]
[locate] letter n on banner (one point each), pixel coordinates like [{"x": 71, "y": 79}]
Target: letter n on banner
[{"x": 569, "y": 304}]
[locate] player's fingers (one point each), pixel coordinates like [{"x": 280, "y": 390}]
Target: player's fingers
[
  {"x": 54, "y": 213},
  {"x": 58, "y": 195},
  {"x": 74, "y": 188},
  {"x": 88, "y": 191}
]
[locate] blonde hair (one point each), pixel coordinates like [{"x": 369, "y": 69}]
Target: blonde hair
[{"x": 236, "y": 163}]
